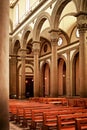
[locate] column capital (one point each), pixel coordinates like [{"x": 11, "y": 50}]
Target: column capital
[
  {"x": 82, "y": 21},
  {"x": 54, "y": 33},
  {"x": 82, "y": 27},
  {"x": 54, "y": 36},
  {"x": 23, "y": 52},
  {"x": 36, "y": 46}
]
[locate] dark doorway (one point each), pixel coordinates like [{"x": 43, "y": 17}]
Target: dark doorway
[
  {"x": 76, "y": 81},
  {"x": 29, "y": 87},
  {"x": 64, "y": 78}
]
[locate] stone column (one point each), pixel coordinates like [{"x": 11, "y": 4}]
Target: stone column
[
  {"x": 82, "y": 26},
  {"x": 54, "y": 77},
  {"x": 13, "y": 74},
  {"x": 4, "y": 64},
  {"x": 68, "y": 87},
  {"x": 23, "y": 57},
  {"x": 36, "y": 49}
]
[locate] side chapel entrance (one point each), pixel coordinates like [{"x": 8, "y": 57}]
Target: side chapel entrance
[{"x": 29, "y": 87}]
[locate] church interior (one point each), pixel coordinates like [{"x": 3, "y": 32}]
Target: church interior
[{"x": 44, "y": 72}]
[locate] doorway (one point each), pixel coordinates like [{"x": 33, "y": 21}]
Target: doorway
[
  {"x": 76, "y": 81},
  {"x": 29, "y": 87},
  {"x": 46, "y": 80}
]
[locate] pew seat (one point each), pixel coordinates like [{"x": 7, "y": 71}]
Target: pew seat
[{"x": 81, "y": 124}]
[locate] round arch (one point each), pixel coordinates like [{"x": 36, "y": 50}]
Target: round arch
[
  {"x": 45, "y": 79},
  {"x": 65, "y": 35},
  {"x": 72, "y": 31},
  {"x": 61, "y": 77},
  {"x": 16, "y": 45},
  {"x": 28, "y": 74},
  {"x": 39, "y": 22},
  {"x": 62, "y": 57},
  {"x": 45, "y": 62},
  {"x": 75, "y": 73},
  {"x": 59, "y": 6},
  {"x": 30, "y": 66},
  {"x": 27, "y": 31},
  {"x": 75, "y": 52}
]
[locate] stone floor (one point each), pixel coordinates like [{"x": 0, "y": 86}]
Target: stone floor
[{"x": 12, "y": 126}]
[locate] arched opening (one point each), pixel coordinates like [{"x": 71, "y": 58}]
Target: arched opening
[
  {"x": 13, "y": 73},
  {"x": 76, "y": 90},
  {"x": 29, "y": 86},
  {"x": 61, "y": 77},
  {"x": 46, "y": 80}
]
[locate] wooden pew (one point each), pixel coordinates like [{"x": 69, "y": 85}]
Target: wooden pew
[
  {"x": 13, "y": 111},
  {"x": 37, "y": 115},
  {"x": 77, "y": 102},
  {"x": 19, "y": 115},
  {"x": 27, "y": 117},
  {"x": 66, "y": 122},
  {"x": 81, "y": 124},
  {"x": 50, "y": 120},
  {"x": 16, "y": 108}
]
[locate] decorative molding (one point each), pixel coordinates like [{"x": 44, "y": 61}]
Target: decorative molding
[
  {"x": 82, "y": 27},
  {"x": 80, "y": 13}
]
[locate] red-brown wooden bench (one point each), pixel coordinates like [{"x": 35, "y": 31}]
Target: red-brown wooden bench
[
  {"x": 81, "y": 124},
  {"x": 66, "y": 122},
  {"x": 50, "y": 120}
]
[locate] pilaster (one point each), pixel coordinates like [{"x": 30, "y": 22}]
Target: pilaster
[{"x": 68, "y": 87}]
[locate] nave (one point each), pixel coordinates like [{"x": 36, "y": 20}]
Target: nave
[{"x": 48, "y": 114}]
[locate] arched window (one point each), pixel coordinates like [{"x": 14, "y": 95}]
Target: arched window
[
  {"x": 77, "y": 33},
  {"x": 60, "y": 41}
]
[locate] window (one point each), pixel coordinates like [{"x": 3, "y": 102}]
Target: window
[
  {"x": 77, "y": 33},
  {"x": 45, "y": 48},
  {"x": 60, "y": 41}
]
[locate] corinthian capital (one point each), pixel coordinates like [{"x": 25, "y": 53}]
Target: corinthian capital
[
  {"x": 36, "y": 46},
  {"x": 82, "y": 26},
  {"x": 82, "y": 21},
  {"x": 54, "y": 36}
]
